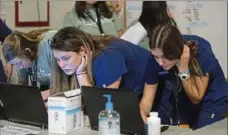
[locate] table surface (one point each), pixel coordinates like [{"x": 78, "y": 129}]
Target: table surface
[
  {"x": 87, "y": 131},
  {"x": 218, "y": 128}
]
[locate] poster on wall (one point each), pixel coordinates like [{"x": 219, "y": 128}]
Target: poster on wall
[{"x": 38, "y": 15}]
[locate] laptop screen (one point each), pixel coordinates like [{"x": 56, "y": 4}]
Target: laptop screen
[
  {"x": 23, "y": 104},
  {"x": 125, "y": 102}
]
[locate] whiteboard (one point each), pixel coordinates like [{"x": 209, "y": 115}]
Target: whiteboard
[{"x": 207, "y": 19}]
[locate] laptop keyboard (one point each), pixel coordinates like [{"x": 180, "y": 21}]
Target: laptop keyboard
[{"x": 13, "y": 130}]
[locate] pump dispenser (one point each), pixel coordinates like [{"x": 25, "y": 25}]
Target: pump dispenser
[
  {"x": 109, "y": 104},
  {"x": 109, "y": 120}
]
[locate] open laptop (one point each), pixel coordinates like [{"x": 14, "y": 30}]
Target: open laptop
[
  {"x": 23, "y": 104},
  {"x": 125, "y": 102}
]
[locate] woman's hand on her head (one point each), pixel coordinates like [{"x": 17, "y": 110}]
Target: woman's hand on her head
[
  {"x": 184, "y": 59},
  {"x": 82, "y": 67}
]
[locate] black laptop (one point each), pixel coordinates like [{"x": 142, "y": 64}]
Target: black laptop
[
  {"x": 23, "y": 104},
  {"x": 125, "y": 102}
]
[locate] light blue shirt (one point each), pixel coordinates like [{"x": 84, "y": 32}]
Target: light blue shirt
[{"x": 44, "y": 60}]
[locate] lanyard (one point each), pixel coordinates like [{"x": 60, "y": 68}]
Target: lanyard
[
  {"x": 32, "y": 72},
  {"x": 176, "y": 91},
  {"x": 98, "y": 22},
  {"x": 177, "y": 87}
]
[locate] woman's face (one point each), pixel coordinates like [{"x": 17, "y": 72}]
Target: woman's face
[
  {"x": 21, "y": 63},
  {"x": 161, "y": 60},
  {"x": 68, "y": 61}
]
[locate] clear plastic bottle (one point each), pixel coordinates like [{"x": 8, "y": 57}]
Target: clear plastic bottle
[
  {"x": 109, "y": 120},
  {"x": 154, "y": 124}
]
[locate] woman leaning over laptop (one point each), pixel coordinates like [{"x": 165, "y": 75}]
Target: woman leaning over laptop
[
  {"x": 81, "y": 59},
  {"x": 31, "y": 53},
  {"x": 195, "y": 91}
]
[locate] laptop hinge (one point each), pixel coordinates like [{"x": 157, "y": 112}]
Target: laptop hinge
[{"x": 28, "y": 123}]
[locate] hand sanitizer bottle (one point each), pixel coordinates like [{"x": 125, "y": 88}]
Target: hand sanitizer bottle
[
  {"x": 109, "y": 120},
  {"x": 154, "y": 124}
]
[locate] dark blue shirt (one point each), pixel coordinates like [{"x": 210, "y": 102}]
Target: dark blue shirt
[
  {"x": 4, "y": 30},
  {"x": 216, "y": 92},
  {"x": 126, "y": 60}
]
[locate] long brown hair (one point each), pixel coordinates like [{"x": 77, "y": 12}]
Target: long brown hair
[
  {"x": 73, "y": 39},
  {"x": 20, "y": 44},
  {"x": 154, "y": 13},
  {"x": 169, "y": 39}
]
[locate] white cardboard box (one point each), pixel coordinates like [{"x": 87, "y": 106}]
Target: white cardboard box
[{"x": 64, "y": 112}]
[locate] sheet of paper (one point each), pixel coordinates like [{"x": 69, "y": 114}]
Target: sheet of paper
[{"x": 13, "y": 130}]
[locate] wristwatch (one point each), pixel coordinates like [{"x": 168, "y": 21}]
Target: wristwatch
[{"x": 184, "y": 75}]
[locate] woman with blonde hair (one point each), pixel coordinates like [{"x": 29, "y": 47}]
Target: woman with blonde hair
[
  {"x": 32, "y": 54},
  {"x": 81, "y": 59}
]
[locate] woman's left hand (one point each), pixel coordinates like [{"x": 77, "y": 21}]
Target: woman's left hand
[
  {"x": 82, "y": 67},
  {"x": 45, "y": 94},
  {"x": 184, "y": 59},
  {"x": 8, "y": 71}
]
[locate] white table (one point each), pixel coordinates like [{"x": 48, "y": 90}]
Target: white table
[
  {"x": 87, "y": 131},
  {"x": 218, "y": 128}
]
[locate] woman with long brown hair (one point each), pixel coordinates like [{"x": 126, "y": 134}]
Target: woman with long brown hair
[
  {"x": 153, "y": 13},
  {"x": 81, "y": 59},
  {"x": 196, "y": 90},
  {"x": 94, "y": 17},
  {"x": 31, "y": 53}
]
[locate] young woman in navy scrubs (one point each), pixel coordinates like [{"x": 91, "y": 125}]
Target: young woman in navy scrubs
[
  {"x": 196, "y": 89},
  {"x": 82, "y": 59}
]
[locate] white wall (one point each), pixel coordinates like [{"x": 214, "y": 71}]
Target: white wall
[
  {"x": 208, "y": 20},
  {"x": 58, "y": 9}
]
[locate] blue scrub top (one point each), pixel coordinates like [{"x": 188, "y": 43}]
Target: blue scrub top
[
  {"x": 126, "y": 60},
  {"x": 216, "y": 92},
  {"x": 4, "y": 32},
  {"x": 217, "y": 85},
  {"x": 215, "y": 98}
]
